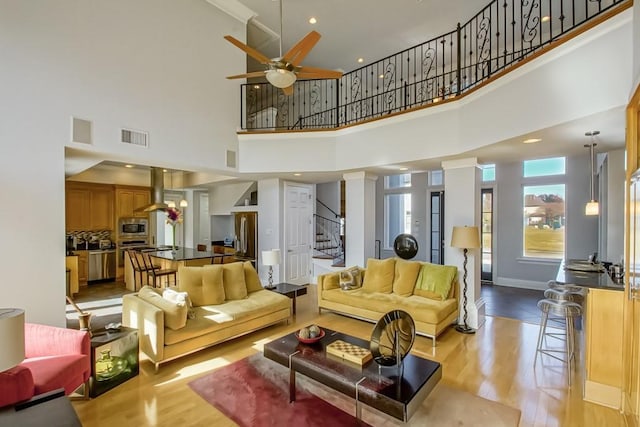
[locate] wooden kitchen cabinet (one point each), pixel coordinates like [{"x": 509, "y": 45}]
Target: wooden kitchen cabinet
[
  {"x": 128, "y": 199},
  {"x": 83, "y": 266},
  {"x": 88, "y": 206}
]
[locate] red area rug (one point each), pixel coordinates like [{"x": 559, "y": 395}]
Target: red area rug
[{"x": 253, "y": 392}]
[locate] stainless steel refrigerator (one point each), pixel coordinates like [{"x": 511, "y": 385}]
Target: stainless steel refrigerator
[{"x": 246, "y": 235}]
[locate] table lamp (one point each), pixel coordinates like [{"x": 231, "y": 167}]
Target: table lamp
[
  {"x": 11, "y": 337},
  {"x": 465, "y": 238},
  {"x": 271, "y": 258}
]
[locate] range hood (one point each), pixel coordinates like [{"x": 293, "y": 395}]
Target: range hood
[{"x": 157, "y": 193}]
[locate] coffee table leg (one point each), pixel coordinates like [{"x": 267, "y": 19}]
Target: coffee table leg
[
  {"x": 292, "y": 379},
  {"x": 294, "y": 303},
  {"x": 358, "y": 405}
]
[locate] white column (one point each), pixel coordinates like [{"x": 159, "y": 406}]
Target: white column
[
  {"x": 188, "y": 221},
  {"x": 462, "y": 179},
  {"x": 360, "y": 217}
]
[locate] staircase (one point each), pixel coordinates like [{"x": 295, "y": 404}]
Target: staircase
[{"x": 329, "y": 241}]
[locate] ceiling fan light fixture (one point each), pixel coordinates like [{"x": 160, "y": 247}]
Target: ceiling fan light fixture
[{"x": 281, "y": 78}]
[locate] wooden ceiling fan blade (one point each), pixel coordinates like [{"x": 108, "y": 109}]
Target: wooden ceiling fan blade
[
  {"x": 288, "y": 90},
  {"x": 299, "y": 51},
  {"x": 247, "y": 75},
  {"x": 248, "y": 50},
  {"x": 318, "y": 73}
]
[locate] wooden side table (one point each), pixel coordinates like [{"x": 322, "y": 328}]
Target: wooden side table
[
  {"x": 292, "y": 291},
  {"x": 114, "y": 358}
]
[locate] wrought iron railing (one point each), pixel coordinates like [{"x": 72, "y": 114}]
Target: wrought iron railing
[
  {"x": 499, "y": 36},
  {"x": 329, "y": 236}
]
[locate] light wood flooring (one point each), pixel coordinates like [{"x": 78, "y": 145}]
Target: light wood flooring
[{"x": 495, "y": 363}]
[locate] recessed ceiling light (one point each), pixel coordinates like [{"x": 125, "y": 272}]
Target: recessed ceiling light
[
  {"x": 164, "y": 170},
  {"x": 312, "y": 20},
  {"x": 297, "y": 174},
  {"x": 404, "y": 168},
  {"x": 546, "y": 18},
  {"x": 360, "y": 60},
  {"x": 381, "y": 76},
  {"x": 128, "y": 166},
  {"x": 256, "y": 86},
  {"x": 531, "y": 140}
]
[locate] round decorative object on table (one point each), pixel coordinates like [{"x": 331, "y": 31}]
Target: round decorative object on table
[
  {"x": 392, "y": 338},
  {"x": 309, "y": 339},
  {"x": 405, "y": 246}
]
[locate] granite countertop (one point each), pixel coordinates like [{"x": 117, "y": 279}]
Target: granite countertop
[
  {"x": 586, "y": 279},
  {"x": 183, "y": 254}
]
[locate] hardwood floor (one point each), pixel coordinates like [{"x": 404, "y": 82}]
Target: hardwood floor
[{"x": 495, "y": 363}]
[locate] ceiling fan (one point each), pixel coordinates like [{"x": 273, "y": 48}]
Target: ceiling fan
[{"x": 282, "y": 72}]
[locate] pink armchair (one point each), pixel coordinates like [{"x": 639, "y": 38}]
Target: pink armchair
[{"x": 54, "y": 358}]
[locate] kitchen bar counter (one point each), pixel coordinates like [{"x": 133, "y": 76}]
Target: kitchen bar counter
[
  {"x": 586, "y": 279},
  {"x": 603, "y": 321},
  {"x": 185, "y": 254}
]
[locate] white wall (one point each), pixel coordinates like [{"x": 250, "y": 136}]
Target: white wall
[
  {"x": 329, "y": 194},
  {"x": 614, "y": 205},
  {"x": 270, "y": 224},
  {"x": 222, "y": 198},
  {"x": 494, "y": 113},
  {"x": 152, "y": 65}
]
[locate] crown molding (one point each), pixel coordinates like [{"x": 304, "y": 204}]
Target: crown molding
[{"x": 234, "y": 9}]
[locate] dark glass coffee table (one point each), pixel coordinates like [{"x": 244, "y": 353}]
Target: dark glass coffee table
[{"x": 379, "y": 388}]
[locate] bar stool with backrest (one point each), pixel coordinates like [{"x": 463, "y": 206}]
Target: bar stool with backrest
[
  {"x": 565, "y": 312},
  {"x": 138, "y": 267},
  {"x": 156, "y": 272}
]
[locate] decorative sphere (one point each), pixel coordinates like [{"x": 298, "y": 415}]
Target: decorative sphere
[
  {"x": 304, "y": 333},
  {"x": 314, "y": 331},
  {"x": 405, "y": 246}
]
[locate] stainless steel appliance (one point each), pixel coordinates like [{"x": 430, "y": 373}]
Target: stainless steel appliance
[
  {"x": 102, "y": 265},
  {"x": 133, "y": 228},
  {"x": 246, "y": 235},
  {"x": 123, "y": 245}
]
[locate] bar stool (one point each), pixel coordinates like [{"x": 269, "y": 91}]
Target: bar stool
[
  {"x": 156, "y": 272},
  {"x": 569, "y": 292},
  {"x": 138, "y": 268},
  {"x": 564, "y": 312}
]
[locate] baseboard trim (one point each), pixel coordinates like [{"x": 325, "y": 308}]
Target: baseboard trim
[
  {"x": 522, "y": 284},
  {"x": 602, "y": 394}
]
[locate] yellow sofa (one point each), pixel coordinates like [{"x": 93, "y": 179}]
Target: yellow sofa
[
  {"x": 168, "y": 330},
  {"x": 431, "y": 315}
]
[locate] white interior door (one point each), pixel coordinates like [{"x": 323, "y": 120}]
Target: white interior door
[{"x": 298, "y": 210}]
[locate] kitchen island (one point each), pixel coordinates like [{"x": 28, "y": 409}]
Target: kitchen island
[{"x": 603, "y": 322}]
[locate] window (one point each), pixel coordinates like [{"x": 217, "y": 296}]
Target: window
[
  {"x": 397, "y": 217},
  {"x": 544, "y": 221},
  {"x": 544, "y": 167},
  {"x": 488, "y": 173},
  {"x": 397, "y": 181},
  {"x": 436, "y": 178}
]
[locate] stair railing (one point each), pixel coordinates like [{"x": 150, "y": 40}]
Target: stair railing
[
  {"x": 328, "y": 236},
  {"x": 498, "y": 37}
]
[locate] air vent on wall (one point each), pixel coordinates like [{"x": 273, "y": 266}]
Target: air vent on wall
[
  {"x": 135, "y": 137},
  {"x": 231, "y": 159},
  {"x": 80, "y": 130}
]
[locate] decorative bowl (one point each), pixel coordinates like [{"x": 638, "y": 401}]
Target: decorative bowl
[{"x": 310, "y": 340}]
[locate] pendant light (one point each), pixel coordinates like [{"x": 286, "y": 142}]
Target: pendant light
[{"x": 592, "y": 207}]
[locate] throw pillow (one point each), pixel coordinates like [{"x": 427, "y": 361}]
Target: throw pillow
[
  {"x": 434, "y": 281},
  {"x": 175, "y": 314},
  {"x": 330, "y": 281},
  {"x": 233, "y": 279},
  {"x": 190, "y": 281},
  {"x": 350, "y": 279},
  {"x": 405, "y": 277},
  {"x": 180, "y": 297},
  {"x": 212, "y": 285},
  {"x": 379, "y": 276},
  {"x": 251, "y": 278}
]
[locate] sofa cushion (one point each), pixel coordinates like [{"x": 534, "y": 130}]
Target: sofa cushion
[
  {"x": 379, "y": 275},
  {"x": 350, "y": 279},
  {"x": 175, "y": 313},
  {"x": 190, "y": 281},
  {"x": 235, "y": 287},
  {"x": 212, "y": 285},
  {"x": 217, "y": 317},
  {"x": 251, "y": 278},
  {"x": 421, "y": 309},
  {"x": 16, "y": 384},
  {"x": 331, "y": 281},
  {"x": 53, "y": 372},
  {"x": 434, "y": 281},
  {"x": 405, "y": 277}
]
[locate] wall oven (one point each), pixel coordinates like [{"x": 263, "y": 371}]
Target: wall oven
[{"x": 130, "y": 228}]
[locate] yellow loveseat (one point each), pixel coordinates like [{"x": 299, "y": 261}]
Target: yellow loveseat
[
  {"x": 391, "y": 284},
  {"x": 224, "y": 302}
]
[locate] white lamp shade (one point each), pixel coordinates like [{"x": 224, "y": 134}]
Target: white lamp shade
[
  {"x": 465, "y": 237},
  {"x": 271, "y": 257},
  {"x": 281, "y": 78},
  {"x": 592, "y": 208},
  {"x": 11, "y": 337}
]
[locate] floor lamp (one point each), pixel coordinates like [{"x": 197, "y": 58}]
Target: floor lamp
[{"x": 465, "y": 238}]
